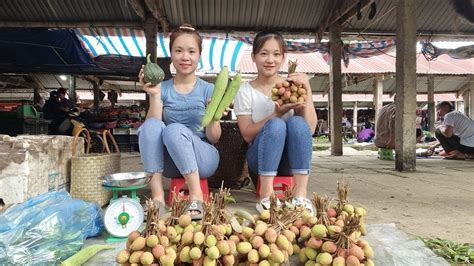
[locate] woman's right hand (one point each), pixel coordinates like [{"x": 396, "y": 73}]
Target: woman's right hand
[
  {"x": 280, "y": 110},
  {"x": 147, "y": 87}
]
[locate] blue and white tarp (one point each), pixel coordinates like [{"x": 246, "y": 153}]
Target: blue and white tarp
[{"x": 217, "y": 51}]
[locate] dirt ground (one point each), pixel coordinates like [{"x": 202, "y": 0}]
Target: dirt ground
[{"x": 434, "y": 201}]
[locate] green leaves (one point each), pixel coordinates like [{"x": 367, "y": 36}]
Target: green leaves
[{"x": 452, "y": 251}]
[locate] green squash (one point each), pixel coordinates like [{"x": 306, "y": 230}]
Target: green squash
[{"x": 153, "y": 72}]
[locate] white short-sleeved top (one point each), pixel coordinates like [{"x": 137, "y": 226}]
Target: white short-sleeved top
[
  {"x": 463, "y": 127},
  {"x": 250, "y": 101}
]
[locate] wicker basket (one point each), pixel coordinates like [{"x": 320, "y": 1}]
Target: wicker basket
[
  {"x": 232, "y": 150},
  {"x": 85, "y": 170}
]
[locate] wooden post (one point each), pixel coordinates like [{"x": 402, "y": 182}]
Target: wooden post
[
  {"x": 335, "y": 91},
  {"x": 431, "y": 104},
  {"x": 405, "y": 99},
  {"x": 151, "y": 30},
  {"x": 72, "y": 89},
  {"x": 96, "y": 90}
]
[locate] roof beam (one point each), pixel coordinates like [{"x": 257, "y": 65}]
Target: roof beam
[
  {"x": 139, "y": 8},
  {"x": 102, "y": 83},
  {"x": 67, "y": 24},
  {"x": 462, "y": 90},
  {"x": 155, "y": 7},
  {"x": 352, "y": 11},
  {"x": 17, "y": 82}
]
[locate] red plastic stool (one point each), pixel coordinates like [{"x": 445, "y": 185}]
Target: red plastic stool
[
  {"x": 177, "y": 184},
  {"x": 280, "y": 184}
]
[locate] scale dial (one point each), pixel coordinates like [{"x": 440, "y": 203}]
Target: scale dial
[{"x": 123, "y": 216}]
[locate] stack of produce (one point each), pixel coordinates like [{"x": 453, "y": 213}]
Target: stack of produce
[
  {"x": 289, "y": 91},
  {"x": 333, "y": 237},
  {"x": 265, "y": 239},
  {"x": 270, "y": 238}
]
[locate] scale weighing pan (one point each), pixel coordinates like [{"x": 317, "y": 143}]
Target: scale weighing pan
[{"x": 129, "y": 179}]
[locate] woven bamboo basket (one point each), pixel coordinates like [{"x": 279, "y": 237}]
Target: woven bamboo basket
[
  {"x": 85, "y": 170},
  {"x": 232, "y": 150}
]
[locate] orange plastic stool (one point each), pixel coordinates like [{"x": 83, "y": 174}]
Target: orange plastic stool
[
  {"x": 177, "y": 184},
  {"x": 280, "y": 184}
]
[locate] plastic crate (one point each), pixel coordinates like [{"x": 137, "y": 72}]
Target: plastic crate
[
  {"x": 385, "y": 154},
  {"x": 122, "y": 139},
  {"x": 133, "y": 139},
  {"x": 126, "y": 147}
]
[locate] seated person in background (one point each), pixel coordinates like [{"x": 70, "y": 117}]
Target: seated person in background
[
  {"x": 51, "y": 107},
  {"x": 456, "y": 133},
  {"x": 65, "y": 105},
  {"x": 366, "y": 134},
  {"x": 385, "y": 128}
]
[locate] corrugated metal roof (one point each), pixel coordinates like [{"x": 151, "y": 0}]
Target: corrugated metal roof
[
  {"x": 433, "y": 16},
  {"x": 67, "y": 11},
  {"x": 247, "y": 14},
  {"x": 55, "y": 82},
  {"x": 319, "y": 84},
  {"x": 315, "y": 63}
]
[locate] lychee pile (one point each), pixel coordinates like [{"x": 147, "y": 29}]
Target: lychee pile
[
  {"x": 289, "y": 91},
  {"x": 240, "y": 238}
]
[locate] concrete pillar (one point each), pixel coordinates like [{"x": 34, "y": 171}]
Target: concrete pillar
[
  {"x": 378, "y": 96},
  {"x": 471, "y": 97},
  {"x": 405, "y": 99},
  {"x": 431, "y": 104},
  {"x": 354, "y": 118},
  {"x": 335, "y": 89},
  {"x": 72, "y": 88},
  {"x": 471, "y": 100},
  {"x": 468, "y": 102}
]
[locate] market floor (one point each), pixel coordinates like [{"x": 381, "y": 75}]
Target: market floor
[{"x": 434, "y": 201}]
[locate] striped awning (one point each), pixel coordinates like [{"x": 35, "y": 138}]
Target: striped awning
[{"x": 218, "y": 49}]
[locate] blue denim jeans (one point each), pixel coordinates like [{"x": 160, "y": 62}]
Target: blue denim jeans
[
  {"x": 283, "y": 148},
  {"x": 174, "y": 150}
]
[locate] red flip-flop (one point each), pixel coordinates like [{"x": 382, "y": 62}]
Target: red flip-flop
[{"x": 446, "y": 154}]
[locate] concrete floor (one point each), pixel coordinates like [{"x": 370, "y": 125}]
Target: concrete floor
[{"x": 435, "y": 201}]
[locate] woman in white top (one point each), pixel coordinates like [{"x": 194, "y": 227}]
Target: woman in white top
[{"x": 280, "y": 137}]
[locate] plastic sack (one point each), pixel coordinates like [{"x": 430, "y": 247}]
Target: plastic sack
[
  {"x": 47, "y": 229},
  {"x": 395, "y": 248}
]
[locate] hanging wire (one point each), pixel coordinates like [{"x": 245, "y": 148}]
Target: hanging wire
[
  {"x": 429, "y": 51},
  {"x": 370, "y": 42}
]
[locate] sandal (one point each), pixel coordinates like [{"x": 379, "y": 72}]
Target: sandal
[
  {"x": 302, "y": 201},
  {"x": 264, "y": 204},
  {"x": 194, "y": 206}
]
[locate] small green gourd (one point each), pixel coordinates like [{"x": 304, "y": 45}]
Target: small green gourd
[
  {"x": 228, "y": 96},
  {"x": 152, "y": 72},
  {"x": 84, "y": 255}
]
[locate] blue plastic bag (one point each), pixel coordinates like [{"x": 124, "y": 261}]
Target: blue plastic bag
[{"x": 47, "y": 229}]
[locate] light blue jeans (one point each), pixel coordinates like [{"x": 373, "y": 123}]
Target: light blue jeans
[
  {"x": 281, "y": 148},
  {"x": 174, "y": 150}
]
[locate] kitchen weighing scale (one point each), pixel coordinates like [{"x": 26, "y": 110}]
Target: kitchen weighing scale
[{"x": 124, "y": 214}]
